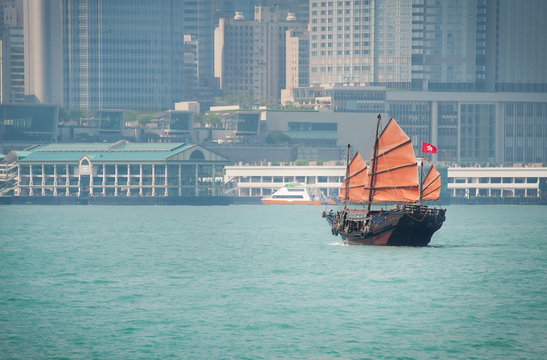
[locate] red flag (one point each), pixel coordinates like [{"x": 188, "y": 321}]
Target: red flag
[{"x": 428, "y": 148}]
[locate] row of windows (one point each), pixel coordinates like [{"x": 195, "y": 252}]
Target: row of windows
[
  {"x": 339, "y": 28},
  {"x": 340, "y": 44},
  {"x": 338, "y": 69},
  {"x": 340, "y": 20},
  {"x": 308, "y": 126},
  {"x": 339, "y": 3},
  {"x": 340, "y": 36},
  {"x": 290, "y": 179},
  {"x": 339, "y": 12},
  {"x": 339, "y": 52}
]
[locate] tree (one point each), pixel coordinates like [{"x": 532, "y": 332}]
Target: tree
[
  {"x": 278, "y": 137},
  {"x": 243, "y": 99},
  {"x": 131, "y": 115},
  {"x": 144, "y": 119},
  {"x": 150, "y": 137},
  {"x": 213, "y": 119},
  {"x": 72, "y": 115}
]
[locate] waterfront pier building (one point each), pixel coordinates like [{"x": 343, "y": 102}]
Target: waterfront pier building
[{"x": 120, "y": 169}]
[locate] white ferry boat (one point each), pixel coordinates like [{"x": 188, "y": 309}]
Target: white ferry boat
[{"x": 297, "y": 194}]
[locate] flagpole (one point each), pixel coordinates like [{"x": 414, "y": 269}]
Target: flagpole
[{"x": 421, "y": 179}]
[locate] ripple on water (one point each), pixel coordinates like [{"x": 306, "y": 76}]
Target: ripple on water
[{"x": 267, "y": 282}]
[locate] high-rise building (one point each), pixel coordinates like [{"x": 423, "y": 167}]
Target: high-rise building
[
  {"x": 12, "y": 76},
  {"x": 123, "y": 54},
  {"x": 439, "y": 45},
  {"x": 13, "y": 70},
  {"x": 297, "y": 64},
  {"x": 190, "y": 66},
  {"x": 116, "y": 54},
  {"x": 250, "y": 54},
  {"x": 448, "y": 45},
  {"x": 341, "y": 41},
  {"x": 199, "y": 22},
  {"x": 517, "y": 62},
  {"x": 43, "y": 48}
]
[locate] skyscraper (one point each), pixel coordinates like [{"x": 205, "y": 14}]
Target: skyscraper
[
  {"x": 341, "y": 41},
  {"x": 12, "y": 74},
  {"x": 250, "y": 54},
  {"x": 123, "y": 54},
  {"x": 296, "y": 61},
  {"x": 517, "y": 62},
  {"x": 116, "y": 54},
  {"x": 441, "y": 45},
  {"x": 43, "y": 30}
]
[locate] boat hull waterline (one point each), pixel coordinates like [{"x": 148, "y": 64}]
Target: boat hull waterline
[
  {"x": 297, "y": 194},
  {"x": 298, "y": 202},
  {"x": 408, "y": 226}
]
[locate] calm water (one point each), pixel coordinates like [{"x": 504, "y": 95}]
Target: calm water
[{"x": 267, "y": 282}]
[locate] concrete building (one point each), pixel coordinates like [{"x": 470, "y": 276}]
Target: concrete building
[
  {"x": 264, "y": 180},
  {"x": 250, "y": 53},
  {"x": 492, "y": 183},
  {"x": 43, "y": 34},
  {"x": 297, "y": 66},
  {"x": 438, "y": 45},
  {"x": 27, "y": 123},
  {"x": 120, "y": 169},
  {"x": 497, "y": 182},
  {"x": 468, "y": 127},
  {"x": 341, "y": 41},
  {"x": 517, "y": 28},
  {"x": 314, "y": 132},
  {"x": 12, "y": 66}
]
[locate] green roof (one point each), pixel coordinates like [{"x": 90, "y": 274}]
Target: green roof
[
  {"x": 119, "y": 146},
  {"x": 103, "y": 152}
]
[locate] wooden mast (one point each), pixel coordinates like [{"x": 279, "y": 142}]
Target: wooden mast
[{"x": 373, "y": 165}]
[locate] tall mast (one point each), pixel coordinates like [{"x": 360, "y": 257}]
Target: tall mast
[
  {"x": 373, "y": 165},
  {"x": 346, "y": 196}
]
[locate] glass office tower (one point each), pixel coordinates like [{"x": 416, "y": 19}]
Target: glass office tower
[{"x": 129, "y": 54}]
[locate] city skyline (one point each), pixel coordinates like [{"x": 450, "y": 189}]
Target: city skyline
[
  {"x": 464, "y": 73},
  {"x": 152, "y": 56}
]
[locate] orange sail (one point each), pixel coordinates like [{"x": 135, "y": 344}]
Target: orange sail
[
  {"x": 395, "y": 168},
  {"x": 392, "y": 175},
  {"x": 431, "y": 187},
  {"x": 354, "y": 181}
]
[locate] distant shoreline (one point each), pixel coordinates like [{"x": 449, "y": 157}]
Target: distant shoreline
[{"x": 223, "y": 200}]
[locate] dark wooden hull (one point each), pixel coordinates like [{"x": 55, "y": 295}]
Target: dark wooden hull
[{"x": 411, "y": 225}]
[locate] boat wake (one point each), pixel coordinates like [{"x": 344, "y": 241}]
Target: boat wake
[{"x": 338, "y": 243}]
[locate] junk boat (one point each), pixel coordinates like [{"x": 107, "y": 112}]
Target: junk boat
[
  {"x": 392, "y": 177},
  {"x": 298, "y": 194}
]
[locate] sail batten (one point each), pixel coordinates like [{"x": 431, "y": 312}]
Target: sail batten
[
  {"x": 392, "y": 175},
  {"x": 385, "y": 151},
  {"x": 431, "y": 186},
  {"x": 396, "y": 169},
  {"x": 354, "y": 181},
  {"x": 393, "y": 168}
]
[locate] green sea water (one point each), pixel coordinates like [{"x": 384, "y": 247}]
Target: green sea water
[{"x": 267, "y": 282}]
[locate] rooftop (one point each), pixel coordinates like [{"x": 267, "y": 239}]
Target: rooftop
[{"x": 121, "y": 151}]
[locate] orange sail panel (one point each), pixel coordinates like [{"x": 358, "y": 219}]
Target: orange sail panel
[
  {"x": 395, "y": 168},
  {"x": 354, "y": 181},
  {"x": 431, "y": 187}
]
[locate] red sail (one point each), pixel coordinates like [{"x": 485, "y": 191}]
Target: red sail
[
  {"x": 395, "y": 168},
  {"x": 355, "y": 179},
  {"x": 431, "y": 187}
]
